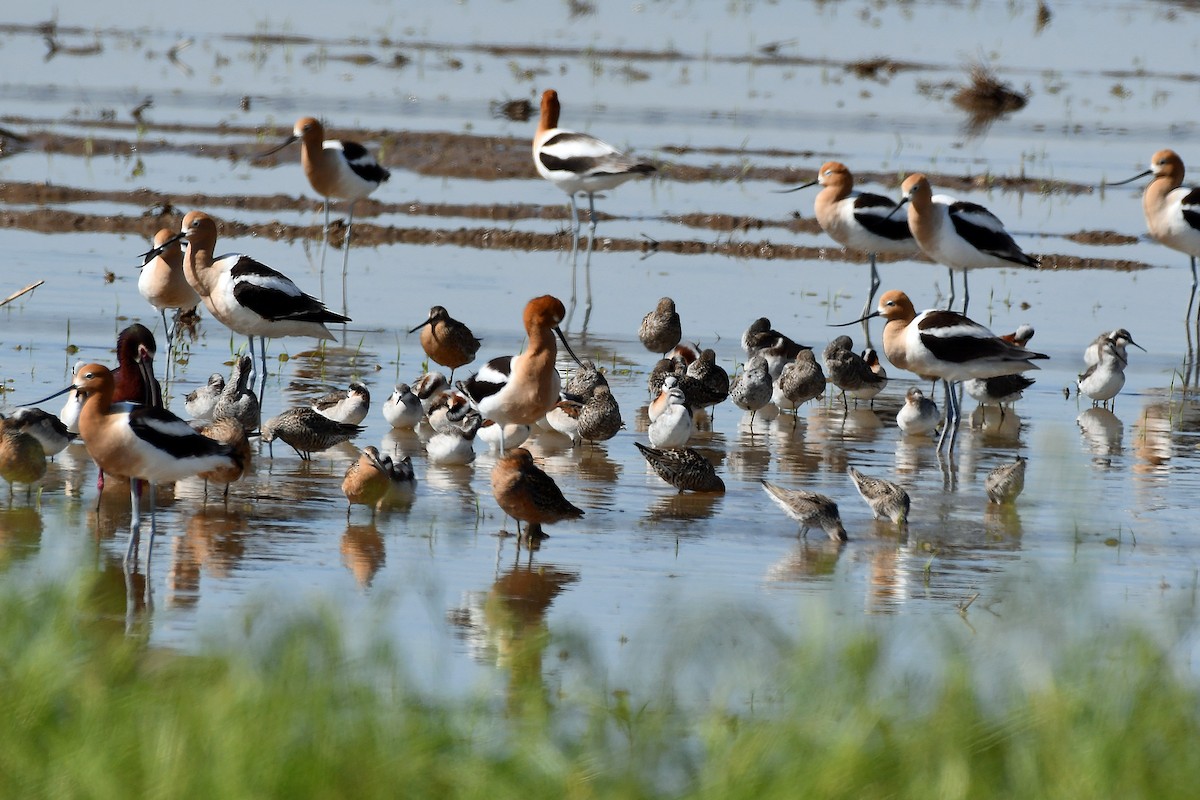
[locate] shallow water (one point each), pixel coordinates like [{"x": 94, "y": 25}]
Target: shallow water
[{"x": 1106, "y": 494}]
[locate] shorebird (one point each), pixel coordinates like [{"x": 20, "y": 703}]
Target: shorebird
[
  {"x": 134, "y": 376},
  {"x": 850, "y": 372},
  {"x": 584, "y": 380},
  {"x": 1121, "y": 340},
  {"x": 429, "y": 387},
  {"x": 349, "y": 406},
  {"x": 22, "y": 458},
  {"x": 885, "y": 498},
  {"x": 336, "y": 170},
  {"x": 859, "y": 220},
  {"x": 802, "y": 380},
  {"x": 522, "y": 388},
  {"x": 999, "y": 391},
  {"x": 230, "y": 431},
  {"x": 247, "y": 296},
  {"x": 1004, "y": 483},
  {"x": 808, "y": 508},
  {"x": 577, "y": 162},
  {"x": 492, "y": 434},
  {"x": 403, "y": 408},
  {"x": 236, "y": 400},
  {"x": 48, "y": 429},
  {"x": 706, "y": 383},
  {"x": 141, "y": 442},
  {"x": 527, "y": 494},
  {"x": 454, "y": 442},
  {"x": 366, "y": 482},
  {"x": 661, "y": 329},
  {"x": 957, "y": 234},
  {"x": 447, "y": 341},
  {"x": 306, "y": 431},
  {"x": 1172, "y": 210},
  {"x": 163, "y": 283},
  {"x": 201, "y": 401},
  {"x": 600, "y": 417},
  {"x": 752, "y": 389},
  {"x": 683, "y": 468},
  {"x": 1104, "y": 380},
  {"x": 919, "y": 415},
  {"x": 672, "y": 426},
  {"x": 777, "y": 349},
  {"x": 946, "y": 345}
]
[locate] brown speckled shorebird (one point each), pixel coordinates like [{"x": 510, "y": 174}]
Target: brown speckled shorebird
[
  {"x": 885, "y": 498},
  {"x": 600, "y": 417},
  {"x": 22, "y": 459},
  {"x": 529, "y": 495},
  {"x": 808, "y": 508},
  {"x": 685, "y": 469},
  {"x": 584, "y": 380},
  {"x": 306, "y": 431},
  {"x": 447, "y": 341},
  {"x": 367, "y": 481},
  {"x": 237, "y": 400},
  {"x": 802, "y": 379},
  {"x": 661, "y": 329},
  {"x": 706, "y": 382},
  {"x": 1003, "y": 484},
  {"x": 350, "y": 406},
  {"x": 229, "y": 431}
]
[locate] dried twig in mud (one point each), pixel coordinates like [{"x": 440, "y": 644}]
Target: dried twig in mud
[
  {"x": 986, "y": 99},
  {"x": 24, "y": 291}
]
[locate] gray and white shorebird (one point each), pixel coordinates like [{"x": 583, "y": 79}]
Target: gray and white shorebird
[
  {"x": 350, "y": 406},
  {"x": 919, "y": 415},
  {"x": 403, "y": 408},
  {"x": 1104, "y": 380},
  {"x": 850, "y": 372},
  {"x": 237, "y": 401},
  {"x": 674, "y": 423},
  {"x": 752, "y": 389},
  {"x": 1121, "y": 339},
  {"x": 200, "y": 402}
]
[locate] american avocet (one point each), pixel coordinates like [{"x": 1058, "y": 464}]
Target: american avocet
[
  {"x": 69, "y": 414},
  {"x": 1120, "y": 338},
  {"x": 349, "y": 406},
  {"x": 447, "y": 341},
  {"x": 885, "y": 498},
  {"x": 336, "y": 170},
  {"x": 403, "y": 408},
  {"x": 1104, "y": 380},
  {"x": 163, "y": 283},
  {"x": 134, "y": 380},
  {"x": 1004, "y": 483},
  {"x": 231, "y": 431},
  {"x": 808, "y": 508},
  {"x": 600, "y": 417},
  {"x": 752, "y": 389},
  {"x": 683, "y": 468},
  {"x": 236, "y": 400},
  {"x": 527, "y": 494},
  {"x": 22, "y": 458},
  {"x": 802, "y": 380},
  {"x": 366, "y": 481},
  {"x": 246, "y": 296},
  {"x": 141, "y": 442},
  {"x": 660, "y": 329},
  {"x": 522, "y": 388},
  {"x": 1172, "y": 210},
  {"x": 919, "y": 415},
  {"x": 946, "y": 345},
  {"x": 859, "y": 220},
  {"x": 201, "y": 401},
  {"x": 577, "y": 162},
  {"x": 673, "y": 424},
  {"x": 306, "y": 431},
  {"x": 957, "y": 234},
  {"x": 48, "y": 429},
  {"x": 849, "y": 371}
]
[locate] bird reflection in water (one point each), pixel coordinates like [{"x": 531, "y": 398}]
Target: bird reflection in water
[
  {"x": 997, "y": 425},
  {"x": 506, "y": 625},
  {"x": 20, "y": 534},
  {"x": 810, "y": 559},
  {"x": 363, "y": 552},
  {"x": 213, "y": 542},
  {"x": 1102, "y": 433}
]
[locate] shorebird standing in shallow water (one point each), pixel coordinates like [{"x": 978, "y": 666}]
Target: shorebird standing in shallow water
[
  {"x": 1172, "y": 210},
  {"x": 946, "y": 345},
  {"x": 403, "y": 408},
  {"x": 919, "y": 415},
  {"x": 885, "y": 498},
  {"x": 246, "y": 296},
  {"x": 336, "y": 170},
  {"x": 808, "y": 508},
  {"x": 366, "y": 481},
  {"x": 520, "y": 389},
  {"x": 683, "y": 468},
  {"x": 1104, "y": 380},
  {"x": 307, "y": 431},
  {"x": 164, "y": 285},
  {"x": 661, "y": 329},
  {"x": 802, "y": 380},
  {"x": 447, "y": 341},
  {"x": 349, "y": 406},
  {"x": 752, "y": 389},
  {"x": 859, "y": 220},
  {"x": 529, "y": 495},
  {"x": 48, "y": 429},
  {"x": 1004, "y": 483},
  {"x": 957, "y": 234},
  {"x": 201, "y": 401},
  {"x": 22, "y": 457},
  {"x": 1120, "y": 338},
  {"x": 237, "y": 400}
]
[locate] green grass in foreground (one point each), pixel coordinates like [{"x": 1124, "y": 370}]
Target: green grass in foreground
[{"x": 93, "y": 713}]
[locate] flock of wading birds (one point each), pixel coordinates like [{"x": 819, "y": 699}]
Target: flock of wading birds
[{"x": 120, "y": 417}]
